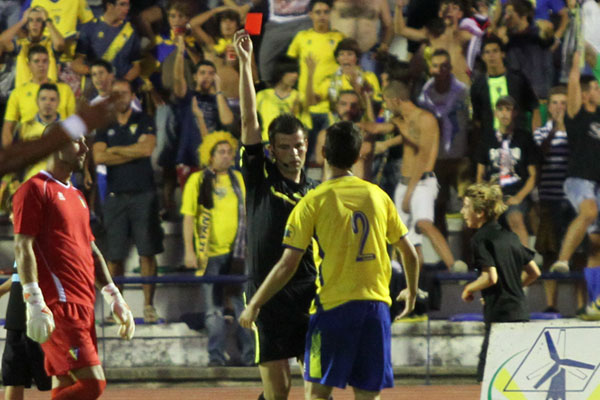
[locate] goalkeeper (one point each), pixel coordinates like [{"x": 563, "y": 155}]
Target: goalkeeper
[{"x": 59, "y": 265}]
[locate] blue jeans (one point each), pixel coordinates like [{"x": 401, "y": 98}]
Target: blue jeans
[{"x": 214, "y": 320}]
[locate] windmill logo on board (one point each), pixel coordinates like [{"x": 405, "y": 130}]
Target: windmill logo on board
[{"x": 559, "y": 365}]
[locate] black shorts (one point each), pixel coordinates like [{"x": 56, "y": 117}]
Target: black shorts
[
  {"x": 132, "y": 215},
  {"x": 23, "y": 361},
  {"x": 280, "y": 335}
]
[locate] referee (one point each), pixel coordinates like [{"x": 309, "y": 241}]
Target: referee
[{"x": 273, "y": 187}]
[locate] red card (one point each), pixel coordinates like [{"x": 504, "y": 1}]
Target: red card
[{"x": 253, "y": 23}]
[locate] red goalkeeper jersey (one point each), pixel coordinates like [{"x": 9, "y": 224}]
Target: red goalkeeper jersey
[{"x": 57, "y": 216}]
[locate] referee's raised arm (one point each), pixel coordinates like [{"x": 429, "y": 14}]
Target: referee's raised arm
[{"x": 251, "y": 133}]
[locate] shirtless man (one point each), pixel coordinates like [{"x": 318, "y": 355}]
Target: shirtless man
[
  {"x": 417, "y": 187},
  {"x": 455, "y": 38},
  {"x": 358, "y": 19}
]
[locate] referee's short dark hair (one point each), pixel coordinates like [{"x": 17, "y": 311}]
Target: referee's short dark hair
[
  {"x": 285, "y": 124},
  {"x": 342, "y": 144}
]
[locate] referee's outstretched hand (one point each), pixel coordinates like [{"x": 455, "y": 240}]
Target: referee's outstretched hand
[{"x": 409, "y": 300}]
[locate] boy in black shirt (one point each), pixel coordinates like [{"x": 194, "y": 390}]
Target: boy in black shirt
[
  {"x": 508, "y": 158},
  {"x": 506, "y": 265}
]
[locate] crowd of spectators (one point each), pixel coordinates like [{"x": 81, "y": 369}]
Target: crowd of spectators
[{"x": 461, "y": 90}]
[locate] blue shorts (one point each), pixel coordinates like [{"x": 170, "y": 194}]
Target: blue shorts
[
  {"x": 577, "y": 190},
  {"x": 350, "y": 344}
]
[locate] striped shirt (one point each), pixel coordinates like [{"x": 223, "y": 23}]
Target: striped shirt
[{"x": 554, "y": 163}]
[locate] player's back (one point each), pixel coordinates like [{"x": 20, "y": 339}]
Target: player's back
[{"x": 353, "y": 221}]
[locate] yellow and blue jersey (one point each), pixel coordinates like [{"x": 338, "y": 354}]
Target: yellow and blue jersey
[
  {"x": 352, "y": 221},
  {"x": 119, "y": 45}
]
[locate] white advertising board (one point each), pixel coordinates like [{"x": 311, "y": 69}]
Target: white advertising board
[{"x": 549, "y": 360}]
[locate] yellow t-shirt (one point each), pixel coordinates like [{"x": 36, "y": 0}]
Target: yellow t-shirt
[
  {"x": 22, "y": 105},
  {"x": 65, "y": 14},
  {"x": 31, "y": 130},
  {"x": 354, "y": 220},
  {"x": 23, "y": 74},
  {"x": 332, "y": 86},
  {"x": 224, "y": 214},
  {"x": 320, "y": 46},
  {"x": 269, "y": 105}
]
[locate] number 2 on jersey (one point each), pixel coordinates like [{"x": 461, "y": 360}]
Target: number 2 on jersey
[{"x": 359, "y": 216}]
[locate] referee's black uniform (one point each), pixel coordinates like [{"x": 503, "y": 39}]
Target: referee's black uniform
[{"x": 283, "y": 320}]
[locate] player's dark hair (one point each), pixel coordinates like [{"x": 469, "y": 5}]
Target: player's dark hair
[
  {"x": 342, "y": 144},
  {"x": 283, "y": 65},
  {"x": 313, "y": 3},
  {"x": 348, "y": 44},
  {"x": 48, "y": 86},
  {"x": 102, "y": 63},
  {"x": 585, "y": 82},
  {"x": 285, "y": 124},
  {"x": 204, "y": 62},
  {"x": 36, "y": 49}
]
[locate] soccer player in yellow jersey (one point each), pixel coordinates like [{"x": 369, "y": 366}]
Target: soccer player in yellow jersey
[
  {"x": 349, "y": 335},
  {"x": 318, "y": 44},
  {"x": 22, "y": 104}
]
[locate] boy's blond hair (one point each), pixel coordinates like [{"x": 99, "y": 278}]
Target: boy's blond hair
[{"x": 486, "y": 198}]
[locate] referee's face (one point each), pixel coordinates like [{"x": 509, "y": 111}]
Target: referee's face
[{"x": 289, "y": 151}]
